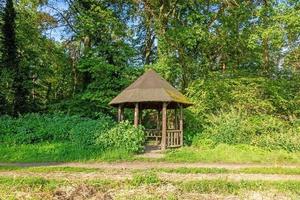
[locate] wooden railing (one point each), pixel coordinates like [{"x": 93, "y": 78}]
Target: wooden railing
[
  {"x": 174, "y": 138},
  {"x": 153, "y": 134}
]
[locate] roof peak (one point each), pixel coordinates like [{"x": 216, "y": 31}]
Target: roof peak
[
  {"x": 150, "y": 87},
  {"x": 151, "y": 79}
]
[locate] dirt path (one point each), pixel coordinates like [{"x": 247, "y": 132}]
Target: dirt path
[
  {"x": 119, "y": 176},
  {"x": 148, "y": 165}
]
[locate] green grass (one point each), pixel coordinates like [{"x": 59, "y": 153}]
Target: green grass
[
  {"x": 180, "y": 170},
  {"x": 29, "y": 182},
  {"x": 50, "y": 169},
  {"x": 224, "y": 153},
  {"x": 255, "y": 170},
  {"x": 269, "y": 170},
  {"x": 203, "y": 186},
  {"x": 185, "y": 170},
  {"x": 59, "y": 152},
  {"x": 145, "y": 178},
  {"x": 231, "y": 187}
]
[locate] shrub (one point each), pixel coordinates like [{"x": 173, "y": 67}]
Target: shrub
[
  {"x": 246, "y": 91},
  {"x": 123, "y": 136},
  {"x": 229, "y": 128},
  {"x": 288, "y": 140},
  {"x": 87, "y": 131},
  {"x": 264, "y": 101},
  {"x": 36, "y": 128},
  {"x": 237, "y": 127}
]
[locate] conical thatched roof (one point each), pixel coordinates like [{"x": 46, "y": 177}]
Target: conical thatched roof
[{"x": 149, "y": 90}]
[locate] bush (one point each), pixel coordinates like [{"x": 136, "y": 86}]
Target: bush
[
  {"x": 229, "y": 128},
  {"x": 255, "y": 95},
  {"x": 86, "y": 132},
  {"x": 123, "y": 136},
  {"x": 245, "y": 91},
  {"x": 244, "y": 108},
  {"x": 237, "y": 127},
  {"x": 36, "y": 128},
  {"x": 288, "y": 140}
]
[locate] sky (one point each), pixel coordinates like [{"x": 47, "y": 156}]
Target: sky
[{"x": 53, "y": 7}]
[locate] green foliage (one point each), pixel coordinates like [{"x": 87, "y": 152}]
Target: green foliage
[
  {"x": 35, "y": 128},
  {"x": 123, "y": 136},
  {"x": 11, "y": 62},
  {"x": 246, "y": 91},
  {"x": 245, "y": 108},
  {"x": 35, "y": 137},
  {"x": 236, "y": 127}
]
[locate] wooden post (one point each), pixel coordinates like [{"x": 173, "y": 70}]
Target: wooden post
[
  {"x": 164, "y": 126},
  {"x": 122, "y": 113},
  {"x": 136, "y": 115},
  {"x": 181, "y": 126},
  {"x": 119, "y": 112},
  {"x": 175, "y": 119}
]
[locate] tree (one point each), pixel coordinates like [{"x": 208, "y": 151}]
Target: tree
[{"x": 11, "y": 60}]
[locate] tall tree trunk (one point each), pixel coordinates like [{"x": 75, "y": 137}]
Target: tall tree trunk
[
  {"x": 149, "y": 38},
  {"x": 265, "y": 40},
  {"x": 86, "y": 76}
]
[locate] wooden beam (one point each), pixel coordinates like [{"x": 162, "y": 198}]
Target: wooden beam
[
  {"x": 181, "y": 126},
  {"x": 136, "y": 115},
  {"x": 164, "y": 126}
]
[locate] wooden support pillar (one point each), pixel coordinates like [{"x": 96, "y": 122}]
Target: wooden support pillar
[
  {"x": 181, "y": 125},
  {"x": 164, "y": 127},
  {"x": 120, "y": 113},
  {"x": 136, "y": 115}
]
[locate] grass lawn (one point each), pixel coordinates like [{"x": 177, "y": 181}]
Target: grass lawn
[
  {"x": 140, "y": 187},
  {"x": 58, "y": 152},
  {"x": 223, "y": 153},
  {"x": 179, "y": 170}
]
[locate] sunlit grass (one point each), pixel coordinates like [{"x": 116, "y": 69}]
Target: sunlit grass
[
  {"x": 59, "y": 152},
  {"x": 224, "y": 153}
]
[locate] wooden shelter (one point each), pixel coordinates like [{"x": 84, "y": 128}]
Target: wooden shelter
[{"x": 151, "y": 91}]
